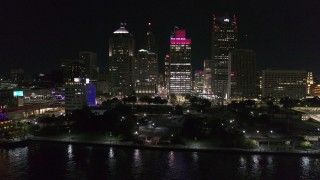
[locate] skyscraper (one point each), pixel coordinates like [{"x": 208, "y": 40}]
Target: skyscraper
[
  {"x": 224, "y": 40},
  {"x": 198, "y": 81},
  {"x": 242, "y": 74},
  {"x": 147, "y": 59},
  {"x": 121, "y": 61},
  {"x": 89, "y": 59},
  {"x": 72, "y": 68},
  {"x": 180, "y": 63}
]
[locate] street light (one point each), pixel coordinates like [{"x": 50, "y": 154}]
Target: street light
[
  {"x": 244, "y": 131},
  {"x": 271, "y": 131},
  {"x": 258, "y": 131}
]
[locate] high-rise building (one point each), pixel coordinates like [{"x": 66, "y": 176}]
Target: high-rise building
[
  {"x": 150, "y": 42},
  {"x": 309, "y": 81},
  {"x": 167, "y": 71},
  {"x": 79, "y": 94},
  {"x": 242, "y": 74},
  {"x": 72, "y": 68},
  {"x": 17, "y": 75},
  {"x": 224, "y": 40},
  {"x": 284, "y": 83},
  {"x": 208, "y": 66},
  {"x": 89, "y": 59},
  {"x": 180, "y": 64},
  {"x": 147, "y": 66},
  {"x": 198, "y": 81},
  {"x": 121, "y": 61}
]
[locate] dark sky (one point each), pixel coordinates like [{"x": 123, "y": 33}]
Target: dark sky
[{"x": 34, "y": 35}]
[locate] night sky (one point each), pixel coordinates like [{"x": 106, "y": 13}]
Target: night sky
[{"x": 35, "y": 35}]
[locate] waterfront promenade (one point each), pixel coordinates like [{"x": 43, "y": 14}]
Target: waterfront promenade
[{"x": 173, "y": 146}]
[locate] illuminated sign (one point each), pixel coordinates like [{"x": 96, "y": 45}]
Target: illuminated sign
[
  {"x": 17, "y": 93},
  {"x": 76, "y": 79}
]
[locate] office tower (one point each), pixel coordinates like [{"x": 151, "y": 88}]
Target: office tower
[
  {"x": 242, "y": 74},
  {"x": 79, "y": 94},
  {"x": 284, "y": 83},
  {"x": 89, "y": 59},
  {"x": 208, "y": 66},
  {"x": 121, "y": 61},
  {"x": 259, "y": 84},
  {"x": 198, "y": 85},
  {"x": 150, "y": 42},
  {"x": 309, "y": 81},
  {"x": 180, "y": 64},
  {"x": 166, "y": 71},
  {"x": 72, "y": 68},
  {"x": 224, "y": 40},
  {"x": 17, "y": 75},
  {"x": 147, "y": 66}
]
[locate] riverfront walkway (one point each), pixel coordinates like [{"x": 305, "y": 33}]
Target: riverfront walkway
[{"x": 172, "y": 147}]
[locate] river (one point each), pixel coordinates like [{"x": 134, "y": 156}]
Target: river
[{"x": 62, "y": 161}]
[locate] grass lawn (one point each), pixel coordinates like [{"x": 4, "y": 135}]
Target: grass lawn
[{"x": 203, "y": 143}]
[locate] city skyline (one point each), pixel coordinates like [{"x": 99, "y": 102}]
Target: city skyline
[{"x": 283, "y": 34}]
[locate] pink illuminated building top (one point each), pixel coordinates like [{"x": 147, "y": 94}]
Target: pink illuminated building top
[{"x": 179, "y": 37}]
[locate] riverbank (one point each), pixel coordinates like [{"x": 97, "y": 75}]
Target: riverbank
[{"x": 172, "y": 147}]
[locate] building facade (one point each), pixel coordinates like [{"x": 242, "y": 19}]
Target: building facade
[
  {"x": 198, "y": 84},
  {"x": 208, "y": 66},
  {"x": 180, "y": 64},
  {"x": 72, "y": 68},
  {"x": 242, "y": 74},
  {"x": 121, "y": 62},
  {"x": 79, "y": 94},
  {"x": 284, "y": 83},
  {"x": 89, "y": 59},
  {"x": 224, "y": 40}
]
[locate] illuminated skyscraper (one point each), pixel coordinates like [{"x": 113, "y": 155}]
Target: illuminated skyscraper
[
  {"x": 309, "y": 81},
  {"x": 146, "y": 65},
  {"x": 180, "y": 63},
  {"x": 224, "y": 40},
  {"x": 121, "y": 61}
]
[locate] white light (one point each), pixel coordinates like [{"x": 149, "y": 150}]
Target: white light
[
  {"x": 257, "y": 131},
  {"x": 76, "y": 79},
  {"x": 244, "y": 131},
  {"x": 226, "y": 20},
  {"x": 271, "y": 131}
]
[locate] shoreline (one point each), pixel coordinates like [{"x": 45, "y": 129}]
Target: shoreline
[{"x": 174, "y": 147}]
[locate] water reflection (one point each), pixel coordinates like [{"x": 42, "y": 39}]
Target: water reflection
[
  {"x": 256, "y": 169},
  {"x": 39, "y": 161},
  {"x": 137, "y": 163},
  {"x": 70, "y": 154},
  {"x": 195, "y": 157},
  {"x": 111, "y": 153},
  {"x": 137, "y": 157},
  {"x": 305, "y": 164},
  {"x": 171, "y": 159}
]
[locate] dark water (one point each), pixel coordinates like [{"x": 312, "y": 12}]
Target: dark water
[{"x": 62, "y": 161}]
